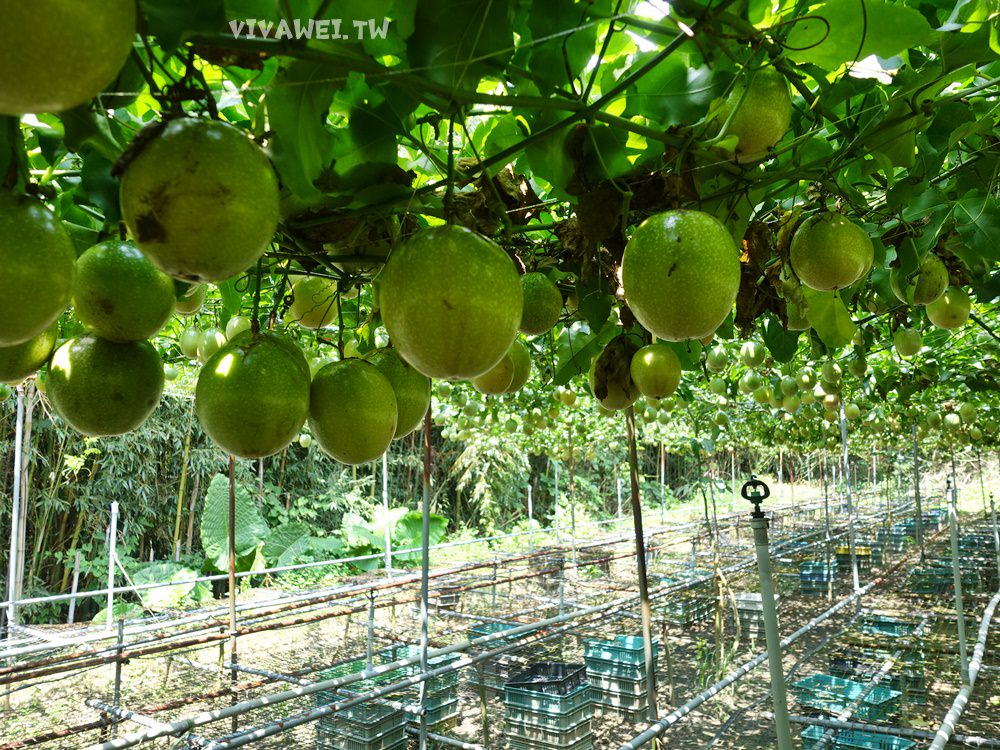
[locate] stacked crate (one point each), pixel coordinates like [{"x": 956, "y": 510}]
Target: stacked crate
[
  {"x": 372, "y": 725},
  {"x": 827, "y": 694},
  {"x": 861, "y": 553},
  {"x": 750, "y": 609},
  {"x": 938, "y": 578},
  {"x": 688, "y": 606},
  {"x": 817, "y": 577},
  {"x": 851, "y": 739},
  {"x": 497, "y": 670},
  {"x": 863, "y": 663},
  {"x": 548, "y": 707},
  {"x": 616, "y": 671},
  {"x": 441, "y": 693}
]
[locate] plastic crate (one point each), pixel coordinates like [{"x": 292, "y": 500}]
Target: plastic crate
[
  {"x": 434, "y": 684},
  {"x": 550, "y": 677},
  {"x": 625, "y": 701},
  {"x": 545, "y": 735},
  {"x": 367, "y": 729},
  {"x": 628, "y": 715},
  {"x": 585, "y": 743},
  {"x": 851, "y": 738},
  {"x": 618, "y": 685},
  {"x": 547, "y": 702},
  {"x": 550, "y": 721},
  {"x": 624, "y": 649},
  {"x": 328, "y": 738},
  {"x": 603, "y": 668},
  {"x": 489, "y": 628},
  {"x": 752, "y": 601},
  {"x": 829, "y": 694},
  {"x": 884, "y": 625}
]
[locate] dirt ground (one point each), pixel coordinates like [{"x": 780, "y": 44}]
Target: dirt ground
[{"x": 691, "y": 658}]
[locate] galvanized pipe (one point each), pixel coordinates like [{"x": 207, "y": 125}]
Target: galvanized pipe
[
  {"x": 658, "y": 728},
  {"x": 905, "y": 732},
  {"x": 963, "y": 649},
  {"x": 951, "y": 719},
  {"x": 779, "y": 697}
]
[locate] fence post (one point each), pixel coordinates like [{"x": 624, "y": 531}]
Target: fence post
[
  {"x": 386, "y": 533},
  {"x": 73, "y": 590},
  {"x": 13, "y": 585},
  {"x": 112, "y": 546}
]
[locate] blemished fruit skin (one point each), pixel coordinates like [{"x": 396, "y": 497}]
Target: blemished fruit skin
[
  {"x": 680, "y": 272},
  {"x": 201, "y": 200},
  {"x": 352, "y": 411},
  {"x": 542, "y": 304},
  {"x": 830, "y": 252},
  {"x": 252, "y": 396},
  {"x": 521, "y": 358},
  {"x": 190, "y": 299},
  {"x": 314, "y": 302},
  {"x": 21, "y": 360},
  {"x": 102, "y": 388},
  {"x": 411, "y": 388},
  {"x": 926, "y": 286},
  {"x": 497, "y": 379},
  {"x": 451, "y": 302},
  {"x": 611, "y": 376},
  {"x": 763, "y": 111},
  {"x": 655, "y": 370},
  {"x": 37, "y": 268},
  {"x": 951, "y": 309},
  {"x": 119, "y": 294},
  {"x": 60, "y": 53}
]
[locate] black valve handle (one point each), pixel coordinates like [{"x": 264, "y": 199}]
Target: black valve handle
[{"x": 756, "y": 492}]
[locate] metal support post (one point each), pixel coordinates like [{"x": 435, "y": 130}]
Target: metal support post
[
  {"x": 963, "y": 653},
  {"x": 996, "y": 532},
  {"x": 13, "y": 584},
  {"x": 850, "y": 502},
  {"x": 112, "y": 552},
  {"x": 756, "y": 492},
  {"x": 916, "y": 493},
  {"x": 531, "y": 522},
  {"x": 387, "y": 532}
]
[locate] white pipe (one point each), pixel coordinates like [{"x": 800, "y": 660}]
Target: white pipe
[
  {"x": 658, "y": 728},
  {"x": 15, "y": 518},
  {"x": 947, "y": 727},
  {"x": 112, "y": 547},
  {"x": 387, "y": 532}
]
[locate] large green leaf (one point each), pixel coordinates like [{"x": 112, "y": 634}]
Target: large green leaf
[
  {"x": 457, "y": 42},
  {"x": 557, "y": 56},
  {"x": 829, "y": 317},
  {"x": 673, "y": 92},
  {"x": 173, "y": 20},
  {"x": 409, "y": 533},
  {"x": 977, "y": 219},
  {"x": 166, "y": 597},
  {"x": 287, "y": 544},
  {"x": 251, "y": 529},
  {"x": 841, "y": 31},
  {"x": 297, "y": 107},
  {"x": 781, "y": 343},
  {"x": 575, "y": 351}
]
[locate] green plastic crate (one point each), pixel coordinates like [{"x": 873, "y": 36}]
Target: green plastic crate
[
  {"x": 586, "y": 743},
  {"x": 547, "y": 736},
  {"x": 602, "y": 668},
  {"x": 619, "y": 685},
  {"x": 551, "y": 721},
  {"x": 850, "y": 738},
  {"x": 829, "y": 694},
  {"x": 547, "y": 702},
  {"x": 624, "y": 649},
  {"x": 620, "y": 701},
  {"x": 884, "y": 625}
]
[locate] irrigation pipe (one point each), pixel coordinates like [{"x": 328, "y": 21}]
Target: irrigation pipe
[
  {"x": 905, "y": 732},
  {"x": 947, "y": 727},
  {"x": 658, "y": 728},
  {"x": 873, "y": 683}
]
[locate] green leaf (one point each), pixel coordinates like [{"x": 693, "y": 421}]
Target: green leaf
[
  {"x": 100, "y": 188},
  {"x": 365, "y": 150},
  {"x": 576, "y": 351},
  {"x": 286, "y": 544},
  {"x": 167, "y": 597},
  {"x": 251, "y": 529},
  {"x": 977, "y": 219},
  {"x": 297, "y": 106},
  {"x": 457, "y": 42},
  {"x": 171, "y": 21},
  {"x": 688, "y": 352},
  {"x": 829, "y": 317},
  {"x": 781, "y": 343},
  {"x": 856, "y": 30},
  {"x": 560, "y": 56},
  {"x": 357, "y": 532},
  {"x": 122, "y": 611},
  {"x": 673, "y": 92},
  {"x": 408, "y": 534}
]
